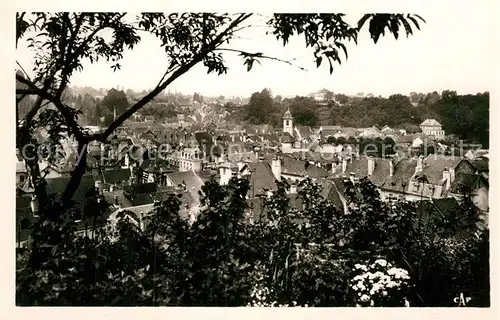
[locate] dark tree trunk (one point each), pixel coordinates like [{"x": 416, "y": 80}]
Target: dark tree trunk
[{"x": 76, "y": 175}]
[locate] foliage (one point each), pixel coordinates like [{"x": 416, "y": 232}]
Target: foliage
[
  {"x": 303, "y": 110},
  {"x": 303, "y": 254},
  {"x": 260, "y": 107}
]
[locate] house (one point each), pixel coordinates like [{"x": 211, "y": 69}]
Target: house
[
  {"x": 474, "y": 185},
  {"x": 327, "y": 131},
  {"x": 287, "y": 167},
  {"x": 191, "y": 181},
  {"x": 21, "y": 172},
  {"x": 432, "y": 128},
  {"x": 434, "y": 175},
  {"x": 371, "y": 132}
]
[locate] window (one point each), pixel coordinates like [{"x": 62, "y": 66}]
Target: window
[
  {"x": 21, "y": 178},
  {"x": 287, "y": 122}
]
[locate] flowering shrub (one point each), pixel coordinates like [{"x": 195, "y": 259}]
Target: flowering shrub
[
  {"x": 261, "y": 295},
  {"x": 380, "y": 284}
]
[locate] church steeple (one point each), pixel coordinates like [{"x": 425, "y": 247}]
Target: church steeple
[{"x": 288, "y": 122}]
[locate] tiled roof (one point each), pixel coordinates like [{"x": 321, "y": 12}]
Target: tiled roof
[
  {"x": 330, "y": 192},
  {"x": 403, "y": 171},
  {"x": 141, "y": 188},
  {"x": 481, "y": 164},
  {"x": 109, "y": 196},
  {"x": 304, "y": 131},
  {"x": 286, "y": 138},
  {"x": 58, "y": 185},
  {"x": 147, "y": 198},
  {"x": 193, "y": 182},
  {"x": 296, "y": 167},
  {"x": 261, "y": 179},
  {"x": 115, "y": 176},
  {"x": 466, "y": 181},
  {"x": 434, "y": 166}
]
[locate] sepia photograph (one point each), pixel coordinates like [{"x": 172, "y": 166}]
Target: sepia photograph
[{"x": 211, "y": 159}]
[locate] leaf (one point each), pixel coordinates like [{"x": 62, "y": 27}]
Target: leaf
[
  {"x": 318, "y": 61},
  {"x": 407, "y": 26},
  {"x": 415, "y": 22},
  {"x": 362, "y": 21}
]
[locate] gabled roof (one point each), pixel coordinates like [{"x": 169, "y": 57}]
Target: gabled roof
[
  {"x": 261, "y": 179},
  {"x": 481, "y": 164},
  {"x": 329, "y": 192},
  {"x": 58, "y": 185},
  {"x": 435, "y": 164},
  {"x": 297, "y": 167},
  {"x": 403, "y": 171},
  {"x": 466, "y": 182}
]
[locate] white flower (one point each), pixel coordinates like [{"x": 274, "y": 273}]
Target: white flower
[
  {"x": 358, "y": 277},
  {"x": 364, "y": 298},
  {"x": 381, "y": 262},
  {"x": 384, "y": 293},
  {"x": 407, "y": 303},
  {"x": 392, "y": 271}
]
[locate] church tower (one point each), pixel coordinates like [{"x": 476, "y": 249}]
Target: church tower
[{"x": 288, "y": 122}]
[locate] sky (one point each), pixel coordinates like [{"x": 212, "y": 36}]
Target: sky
[{"x": 452, "y": 51}]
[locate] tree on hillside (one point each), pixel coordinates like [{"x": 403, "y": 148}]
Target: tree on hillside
[
  {"x": 303, "y": 110},
  {"x": 260, "y": 106},
  {"x": 64, "y": 41},
  {"x": 341, "y": 98}
]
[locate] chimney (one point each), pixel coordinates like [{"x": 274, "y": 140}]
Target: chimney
[
  {"x": 371, "y": 165},
  {"x": 232, "y": 137},
  {"x": 334, "y": 167},
  {"x": 34, "y": 205},
  {"x": 127, "y": 161},
  {"x": 111, "y": 188},
  {"x": 276, "y": 167},
  {"x": 391, "y": 168},
  {"x": 447, "y": 178},
  {"x": 225, "y": 174},
  {"x": 344, "y": 164},
  {"x": 98, "y": 185},
  {"x": 141, "y": 222},
  {"x": 420, "y": 164},
  {"x": 293, "y": 188}
]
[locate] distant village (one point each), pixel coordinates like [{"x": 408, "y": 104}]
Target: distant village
[{"x": 148, "y": 159}]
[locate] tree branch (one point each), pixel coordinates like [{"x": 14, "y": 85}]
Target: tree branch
[
  {"x": 44, "y": 94},
  {"x": 176, "y": 74},
  {"x": 260, "y": 55}
]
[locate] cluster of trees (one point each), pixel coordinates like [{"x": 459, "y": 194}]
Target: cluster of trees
[
  {"x": 302, "y": 254},
  {"x": 376, "y": 111},
  {"x": 264, "y": 109},
  {"x": 466, "y": 116}
]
